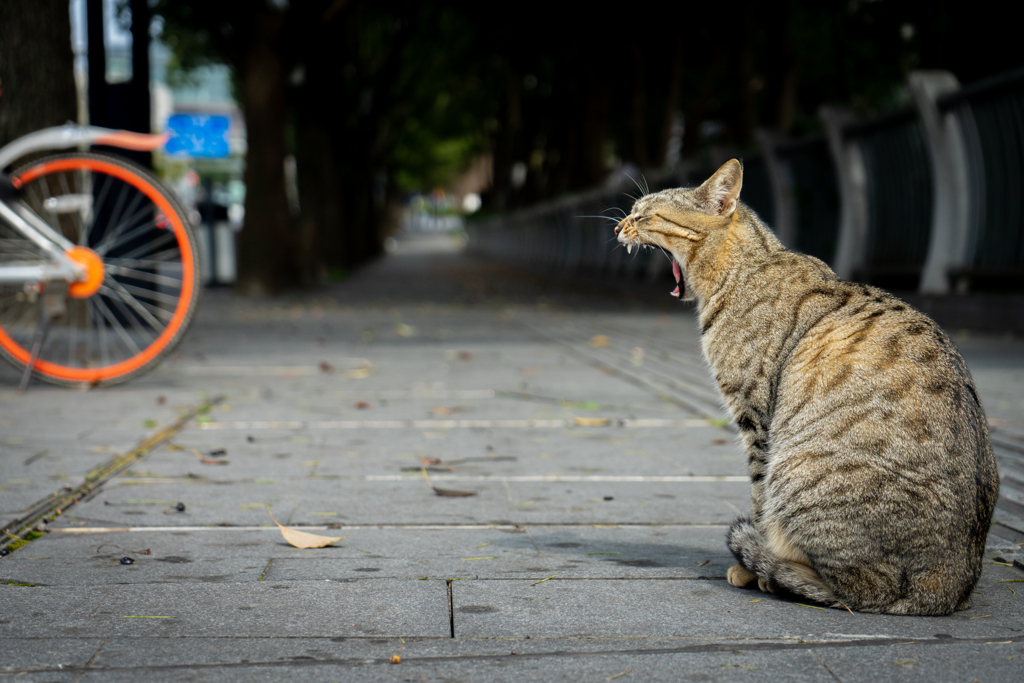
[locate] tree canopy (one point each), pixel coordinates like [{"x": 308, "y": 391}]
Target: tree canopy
[{"x": 378, "y": 99}]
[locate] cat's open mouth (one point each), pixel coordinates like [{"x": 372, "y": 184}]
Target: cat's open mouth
[{"x": 677, "y": 272}]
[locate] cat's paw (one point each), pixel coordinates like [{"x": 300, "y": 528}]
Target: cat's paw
[
  {"x": 739, "y": 576},
  {"x": 766, "y": 586}
]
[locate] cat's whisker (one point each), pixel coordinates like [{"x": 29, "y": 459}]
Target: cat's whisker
[
  {"x": 638, "y": 185},
  {"x": 612, "y": 219}
]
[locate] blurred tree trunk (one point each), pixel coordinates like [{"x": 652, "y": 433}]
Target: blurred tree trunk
[
  {"x": 671, "y": 103},
  {"x": 506, "y": 146},
  {"x": 746, "y": 118},
  {"x": 639, "y": 112},
  {"x": 591, "y": 171},
  {"x": 268, "y": 259},
  {"x": 37, "y": 78},
  {"x": 699, "y": 108}
]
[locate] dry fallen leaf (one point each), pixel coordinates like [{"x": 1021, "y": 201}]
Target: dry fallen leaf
[
  {"x": 361, "y": 372},
  {"x": 395, "y": 659},
  {"x": 303, "y": 539},
  {"x": 362, "y": 405},
  {"x": 599, "y": 341},
  {"x": 208, "y": 461},
  {"x": 326, "y": 367},
  {"x": 453, "y": 493},
  {"x": 447, "y": 410},
  {"x": 719, "y": 442},
  {"x": 465, "y": 355},
  {"x": 446, "y": 493},
  {"x": 593, "y": 421}
]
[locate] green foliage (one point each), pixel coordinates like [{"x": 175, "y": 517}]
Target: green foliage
[{"x": 440, "y": 103}]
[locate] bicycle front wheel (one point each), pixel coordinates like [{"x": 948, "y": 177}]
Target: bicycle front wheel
[{"x": 140, "y": 254}]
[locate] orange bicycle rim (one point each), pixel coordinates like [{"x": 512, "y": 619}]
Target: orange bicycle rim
[{"x": 187, "y": 283}]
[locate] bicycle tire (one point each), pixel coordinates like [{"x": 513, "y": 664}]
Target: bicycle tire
[{"x": 144, "y": 301}]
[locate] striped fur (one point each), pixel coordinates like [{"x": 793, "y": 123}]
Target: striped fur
[{"x": 872, "y": 477}]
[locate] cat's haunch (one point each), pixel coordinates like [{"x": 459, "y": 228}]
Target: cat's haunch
[{"x": 873, "y": 480}]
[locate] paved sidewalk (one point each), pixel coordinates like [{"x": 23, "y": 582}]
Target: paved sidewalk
[{"x": 582, "y": 420}]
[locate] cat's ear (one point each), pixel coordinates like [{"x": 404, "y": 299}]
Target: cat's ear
[{"x": 720, "y": 193}]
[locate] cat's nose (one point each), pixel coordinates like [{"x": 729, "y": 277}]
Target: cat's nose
[{"x": 621, "y": 224}]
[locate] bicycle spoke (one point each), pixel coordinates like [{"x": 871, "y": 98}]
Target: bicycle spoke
[
  {"x": 133, "y": 215},
  {"x": 118, "y": 205},
  {"x": 143, "y": 275},
  {"x": 95, "y": 210},
  {"x": 73, "y": 333},
  {"x": 10, "y": 305},
  {"x": 150, "y": 294},
  {"x": 133, "y": 320},
  {"x": 87, "y": 315},
  {"x": 21, "y": 247},
  {"x": 146, "y": 263},
  {"x": 127, "y": 237},
  {"x": 140, "y": 306},
  {"x": 101, "y": 331},
  {"x": 117, "y": 327},
  {"x": 67, "y": 190},
  {"x": 51, "y": 219},
  {"x": 158, "y": 242},
  {"x": 26, "y": 314}
]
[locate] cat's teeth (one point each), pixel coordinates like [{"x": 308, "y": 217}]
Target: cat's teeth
[
  {"x": 675, "y": 292},
  {"x": 629, "y": 248}
]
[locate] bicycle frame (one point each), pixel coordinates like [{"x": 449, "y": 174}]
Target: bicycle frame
[{"x": 19, "y": 217}]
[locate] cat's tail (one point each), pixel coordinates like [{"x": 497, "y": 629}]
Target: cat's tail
[{"x": 751, "y": 550}]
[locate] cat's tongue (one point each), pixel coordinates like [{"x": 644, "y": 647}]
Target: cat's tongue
[{"x": 678, "y": 274}]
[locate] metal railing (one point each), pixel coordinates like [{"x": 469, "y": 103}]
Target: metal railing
[
  {"x": 815, "y": 191},
  {"x": 990, "y": 116},
  {"x": 899, "y": 198},
  {"x": 926, "y": 198}
]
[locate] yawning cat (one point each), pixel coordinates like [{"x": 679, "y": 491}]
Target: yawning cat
[{"x": 873, "y": 479}]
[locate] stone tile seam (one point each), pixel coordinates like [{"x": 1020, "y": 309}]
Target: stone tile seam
[
  {"x": 390, "y": 527},
  {"x": 365, "y": 580},
  {"x": 709, "y": 648},
  {"x": 598, "y": 423},
  {"x": 415, "y": 479},
  {"x": 47, "y": 509},
  {"x": 689, "y": 402}
]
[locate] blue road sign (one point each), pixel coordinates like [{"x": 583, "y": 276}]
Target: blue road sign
[{"x": 198, "y": 135}]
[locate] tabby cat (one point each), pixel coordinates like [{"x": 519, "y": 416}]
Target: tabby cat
[{"x": 872, "y": 476}]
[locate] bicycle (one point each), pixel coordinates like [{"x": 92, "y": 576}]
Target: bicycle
[{"x": 98, "y": 260}]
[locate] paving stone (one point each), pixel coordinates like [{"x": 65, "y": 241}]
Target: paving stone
[
  {"x": 412, "y": 337},
  {"x": 358, "y": 660},
  {"x": 599, "y": 608},
  {"x": 382, "y": 607},
  {"x": 411, "y": 501}
]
